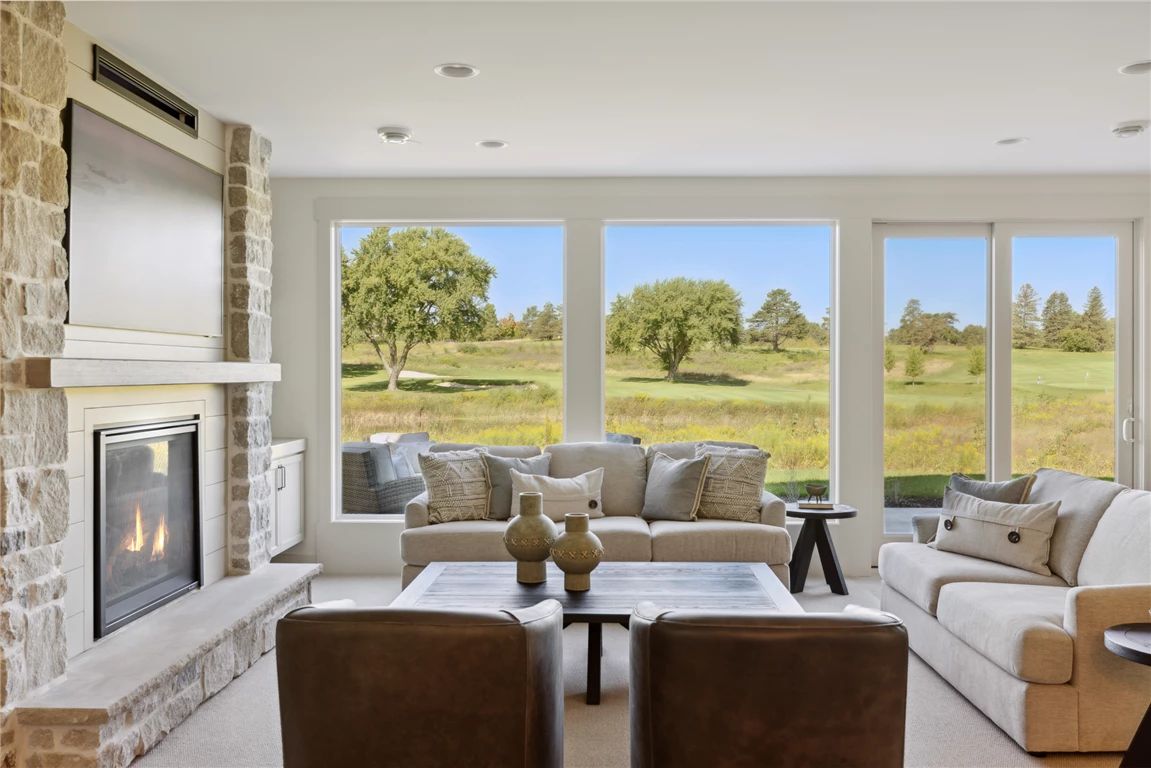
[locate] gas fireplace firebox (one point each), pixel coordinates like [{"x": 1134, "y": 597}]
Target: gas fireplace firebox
[{"x": 147, "y": 535}]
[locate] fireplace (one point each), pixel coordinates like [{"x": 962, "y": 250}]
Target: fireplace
[{"x": 147, "y": 534}]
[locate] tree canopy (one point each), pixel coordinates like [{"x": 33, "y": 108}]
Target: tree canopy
[
  {"x": 1025, "y": 317},
  {"x": 924, "y": 329},
  {"x": 780, "y": 318},
  {"x": 671, "y": 318},
  {"x": 1094, "y": 321},
  {"x": 406, "y": 287},
  {"x": 1058, "y": 316},
  {"x": 914, "y": 366}
]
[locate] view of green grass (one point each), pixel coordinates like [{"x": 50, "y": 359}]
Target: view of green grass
[{"x": 509, "y": 393}]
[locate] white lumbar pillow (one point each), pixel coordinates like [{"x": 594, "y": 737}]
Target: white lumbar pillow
[{"x": 561, "y": 494}]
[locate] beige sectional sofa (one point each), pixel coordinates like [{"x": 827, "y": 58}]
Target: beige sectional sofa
[
  {"x": 1028, "y": 649},
  {"x": 625, "y": 535}
]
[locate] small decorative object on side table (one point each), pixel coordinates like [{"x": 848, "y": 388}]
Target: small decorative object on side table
[
  {"x": 577, "y": 552},
  {"x": 1133, "y": 642},
  {"x": 816, "y": 492},
  {"x": 529, "y": 537},
  {"x": 815, "y": 533}
]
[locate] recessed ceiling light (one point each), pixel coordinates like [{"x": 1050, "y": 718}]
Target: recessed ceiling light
[
  {"x": 491, "y": 144},
  {"x": 392, "y": 135},
  {"x": 1013, "y": 140},
  {"x": 456, "y": 71},
  {"x": 1137, "y": 68},
  {"x": 1129, "y": 129}
]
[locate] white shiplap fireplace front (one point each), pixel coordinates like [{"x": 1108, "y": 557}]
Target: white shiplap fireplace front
[{"x": 90, "y": 409}]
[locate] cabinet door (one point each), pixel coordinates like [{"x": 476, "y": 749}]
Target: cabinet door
[
  {"x": 272, "y": 476},
  {"x": 290, "y": 501}
]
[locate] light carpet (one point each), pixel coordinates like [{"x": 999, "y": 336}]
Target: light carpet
[{"x": 240, "y": 728}]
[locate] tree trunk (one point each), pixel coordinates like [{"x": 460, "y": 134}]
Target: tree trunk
[
  {"x": 775, "y": 342},
  {"x": 394, "y": 378}
]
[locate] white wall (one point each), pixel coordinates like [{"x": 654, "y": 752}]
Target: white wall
[{"x": 304, "y": 314}]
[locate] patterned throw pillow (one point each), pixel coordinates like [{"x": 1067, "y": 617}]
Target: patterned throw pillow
[
  {"x": 458, "y": 486},
  {"x": 733, "y": 488}
]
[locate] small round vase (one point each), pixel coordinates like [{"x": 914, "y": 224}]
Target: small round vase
[
  {"x": 577, "y": 552},
  {"x": 528, "y": 537}
]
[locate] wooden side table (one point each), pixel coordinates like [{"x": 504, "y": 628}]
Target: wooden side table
[
  {"x": 1133, "y": 642},
  {"x": 814, "y": 534}
]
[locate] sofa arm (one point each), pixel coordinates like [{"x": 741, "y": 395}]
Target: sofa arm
[
  {"x": 772, "y": 510},
  {"x": 1113, "y": 692},
  {"x": 416, "y": 513},
  {"x": 923, "y": 528}
]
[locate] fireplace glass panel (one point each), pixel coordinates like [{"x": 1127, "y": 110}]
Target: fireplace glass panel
[{"x": 149, "y": 534}]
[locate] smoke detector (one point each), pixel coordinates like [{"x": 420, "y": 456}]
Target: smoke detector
[
  {"x": 1129, "y": 129},
  {"x": 394, "y": 135}
]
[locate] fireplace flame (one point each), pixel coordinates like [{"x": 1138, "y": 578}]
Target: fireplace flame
[
  {"x": 138, "y": 544},
  {"x": 159, "y": 538}
]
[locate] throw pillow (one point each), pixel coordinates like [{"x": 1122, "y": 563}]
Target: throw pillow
[
  {"x": 1013, "y": 534},
  {"x": 1008, "y": 492},
  {"x": 733, "y": 487},
  {"x": 499, "y": 473},
  {"x": 674, "y": 487},
  {"x": 581, "y": 493},
  {"x": 458, "y": 486},
  {"x": 410, "y": 452}
]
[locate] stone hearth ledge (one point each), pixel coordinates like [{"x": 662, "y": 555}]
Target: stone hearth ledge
[{"x": 120, "y": 698}]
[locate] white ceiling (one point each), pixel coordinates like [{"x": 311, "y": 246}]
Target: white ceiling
[{"x": 657, "y": 89}]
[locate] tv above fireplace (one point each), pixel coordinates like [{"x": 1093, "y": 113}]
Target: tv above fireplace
[{"x": 145, "y": 236}]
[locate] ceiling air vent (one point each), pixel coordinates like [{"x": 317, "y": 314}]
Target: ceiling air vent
[{"x": 145, "y": 92}]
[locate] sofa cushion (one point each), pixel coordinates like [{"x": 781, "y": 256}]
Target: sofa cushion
[
  {"x": 467, "y": 540},
  {"x": 674, "y": 487},
  {"x": 733, "y": 487},
  {"x": 687, "y": 450},
  {"x": 1012, "y": 534},
  {"x": 1120, "y": 549},
  {"x": 918, "y": 572},
  {"x": 1019, "y": 627},
  {"x": 1008, "y": 492},
  {"x": 1084, "y": 500},
  {"x": 500, "y": 474},
  {"x": 624, "y": 471},
  {"x": 563, "y": 496},
  {"x": 508, "y": 451},
  {"x": 457, "y": 484},
  {"x": 719, "y": 541},
  {"x": 624, "y": 539}
]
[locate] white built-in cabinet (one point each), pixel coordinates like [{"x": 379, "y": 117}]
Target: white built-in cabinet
[{"x": 286, "y": 479}]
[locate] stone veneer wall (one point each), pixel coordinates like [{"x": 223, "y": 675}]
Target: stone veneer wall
[
  {"x": 249, "y": 291},
  {"x": 33, "y": 303}
]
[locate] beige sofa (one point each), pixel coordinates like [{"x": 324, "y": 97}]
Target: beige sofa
[
  {"x": 1028, "y": 649},
  {"x": 625, "y": 535}
]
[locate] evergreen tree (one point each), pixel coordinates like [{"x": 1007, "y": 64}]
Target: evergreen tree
[
  {"x": 1058, "y": 316},
  {"x": 977, "y": 361},
  {"x": 779, "y": 318},
  {"x": 914, "y": 367},
  {"x": 1095, "y": 322},
  {"x": 1025, "y": 317}
]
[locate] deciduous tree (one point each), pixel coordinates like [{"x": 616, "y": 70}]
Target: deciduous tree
[
  {"x": 888, "y": 358},
  {"x": 671, "y": 318},
  {"x": 914, "y": 367},
  {"x": 977, "y": 361},
  {"x": 779, "y": 318},
  {"x": 406, "y": 287}
]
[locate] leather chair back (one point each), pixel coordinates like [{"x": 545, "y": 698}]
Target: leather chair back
[
  {"x": 761, "y": 689},
  {"x": 410, "y": 687}
]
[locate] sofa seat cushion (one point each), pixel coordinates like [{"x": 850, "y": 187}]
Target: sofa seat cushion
[
  {"x": 624, "y": 539},
  {"x": 719, "y": 541},
  {"x": 1082, "y": 501},
  {"x": 1019, "y": 627},
  {"x": 624, "y": 472},
  {"x": 918, "y": 572},
  {"x": 463, "y": 541}
]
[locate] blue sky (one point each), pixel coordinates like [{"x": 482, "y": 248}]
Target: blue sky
[{"x": 946, "y": 275}]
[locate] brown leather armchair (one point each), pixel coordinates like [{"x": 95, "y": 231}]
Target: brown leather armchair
[
  {"x": 419, "y": 688},
  {"x": 725, "y": 689}
]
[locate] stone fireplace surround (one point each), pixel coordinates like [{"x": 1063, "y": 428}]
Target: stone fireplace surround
[{"x": 113, "y": 699}]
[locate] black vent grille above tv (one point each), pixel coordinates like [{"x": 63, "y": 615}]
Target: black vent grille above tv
[{"x": 145, "y": 92}]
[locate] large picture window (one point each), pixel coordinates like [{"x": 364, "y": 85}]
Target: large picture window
[
  {"x": 449, "y": 335},
  {"x": 721, "y": 332}
]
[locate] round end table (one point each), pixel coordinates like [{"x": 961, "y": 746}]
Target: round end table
[
  {"x": 815, "y": 533},
  {"x": 1133, "y": 642}
]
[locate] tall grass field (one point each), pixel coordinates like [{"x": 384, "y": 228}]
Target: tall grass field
[{"x": 509, "y": 393}]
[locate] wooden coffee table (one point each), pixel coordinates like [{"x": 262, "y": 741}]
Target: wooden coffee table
[{"x": 616, "y": 588}]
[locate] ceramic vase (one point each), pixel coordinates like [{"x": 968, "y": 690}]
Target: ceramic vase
[
  {"x": 577, "y": 552},
  {"x": 529, "y": 537}
]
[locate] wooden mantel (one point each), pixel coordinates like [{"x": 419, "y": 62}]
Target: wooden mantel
[{"x": 66, "y": 372}]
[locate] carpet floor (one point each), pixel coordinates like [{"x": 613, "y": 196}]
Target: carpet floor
[{"x": 240, "y": 727}]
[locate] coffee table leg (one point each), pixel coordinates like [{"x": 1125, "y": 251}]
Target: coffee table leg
[
  {"x": 801, "y": 556},
  {"x": 594, "y": 654},
  {"x": 828, "y": 559}
]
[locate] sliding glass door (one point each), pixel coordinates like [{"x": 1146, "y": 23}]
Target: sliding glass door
[{"x": 1007, "y": 348}]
